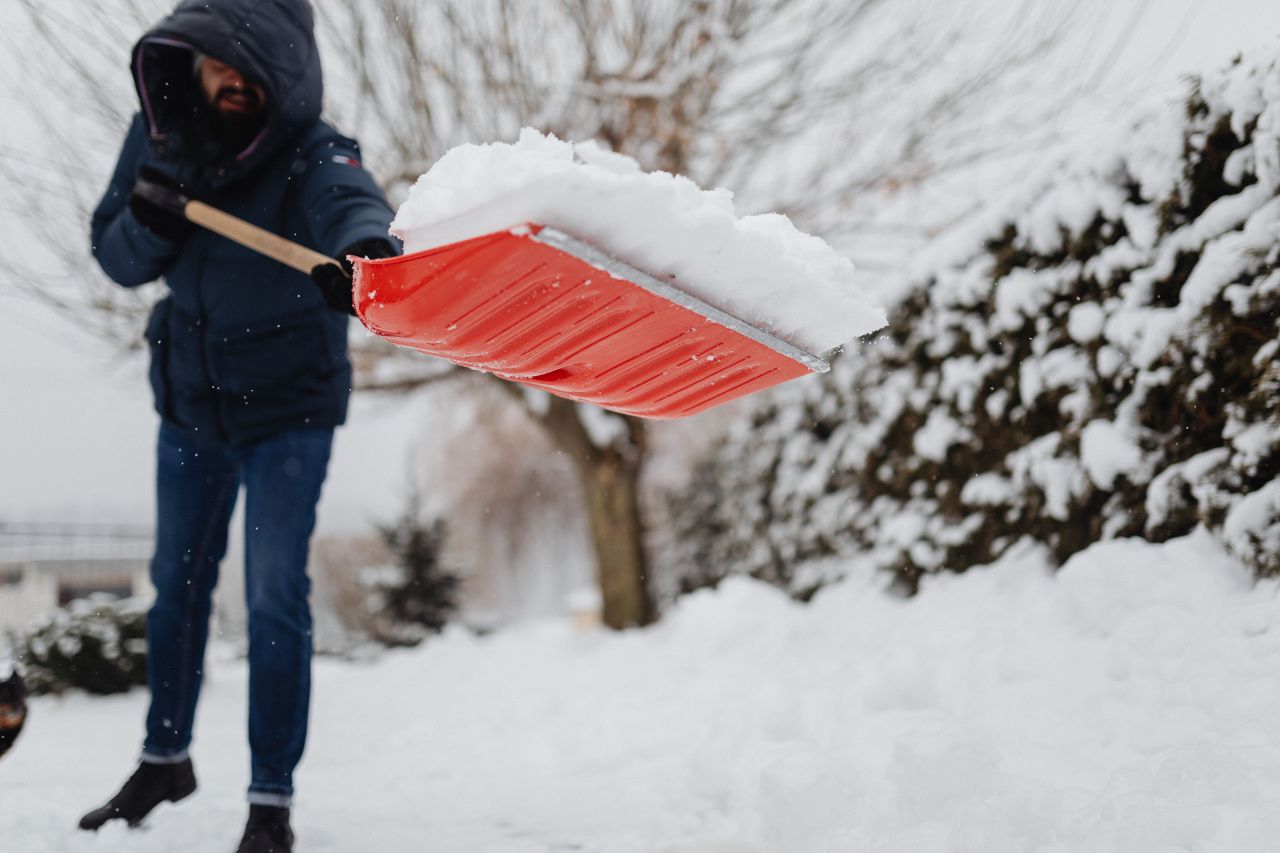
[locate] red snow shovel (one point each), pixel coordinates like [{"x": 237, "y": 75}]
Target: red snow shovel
[{"x": 539, "y": 307}]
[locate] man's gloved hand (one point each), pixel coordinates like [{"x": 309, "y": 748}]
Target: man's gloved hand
[
  {"x": 335, "y": 281},
  {"x": 157, "y": 202}
]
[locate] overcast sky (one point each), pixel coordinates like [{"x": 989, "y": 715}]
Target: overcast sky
[{"x": 76, "y": 428}]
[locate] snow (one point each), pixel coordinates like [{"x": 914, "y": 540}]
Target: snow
[
  {"x": 1058, "y": 479},
  {"x": 603, "y": 427},
  {"x": 1085, "y": 322},
  {"x": 584, "y": 599},
  {"x": 1060, "y": 368},
  {"x": 1107, "y": 451},
  {"x": 1228, "y": 257},
  {"x": 1067, "y": 210},
  {"x": 1123, "y": 704},
  {"x": 760, "y": 268},
  {"x": 1254, "y": 443},
  {"x": 1253, "y": 517},
  {"x": 1162, "y": 495},
  {"x": 936, "y": 437},
  {"x": 987, "y": 490}
]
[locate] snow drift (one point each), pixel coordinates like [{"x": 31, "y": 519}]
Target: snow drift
[
  {"x": 1096, "y": 358},
  {"x": 1120, "y": 705}
]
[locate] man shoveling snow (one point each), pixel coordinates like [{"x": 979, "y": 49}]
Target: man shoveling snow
[{"x": 249, "y": 367}]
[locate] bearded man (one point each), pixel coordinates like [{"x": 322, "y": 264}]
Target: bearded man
[{"x": 248, "y": 366}]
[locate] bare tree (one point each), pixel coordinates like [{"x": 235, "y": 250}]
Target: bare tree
[{"x": 802, "y": 106}]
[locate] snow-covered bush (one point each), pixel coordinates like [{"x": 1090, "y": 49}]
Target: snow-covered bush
[
  {"x": 1097, "y": 358},
  {"x": 97, "y": 644},
  {"x": 415, "y": 595}
]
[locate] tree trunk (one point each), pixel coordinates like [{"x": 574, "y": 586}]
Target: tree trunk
[
  {"x": 610, "y": 478},
  {"x": 610, "y": 482}
]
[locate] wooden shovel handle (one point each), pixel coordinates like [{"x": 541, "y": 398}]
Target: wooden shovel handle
[{"x": 250, "y": 236}]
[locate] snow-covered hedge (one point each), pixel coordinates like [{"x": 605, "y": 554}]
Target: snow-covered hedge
[
  {"x": 1097, "y": 359},
  {"x": 97, "y": 644}
]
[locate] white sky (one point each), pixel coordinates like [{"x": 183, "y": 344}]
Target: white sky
[
  {"x": 1182, "y": 36},
  {"x": 76, "y": 431}
]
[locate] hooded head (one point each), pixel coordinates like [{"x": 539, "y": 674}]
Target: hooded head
[{"x": 270, "y": 42}]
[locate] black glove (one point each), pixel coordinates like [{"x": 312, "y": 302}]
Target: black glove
[
  {"x": 157, "y": 202},
  {"x": 335, "y": 281}
]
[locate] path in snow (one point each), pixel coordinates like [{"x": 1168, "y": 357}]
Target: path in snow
[{"x": 1128, "y": 704}]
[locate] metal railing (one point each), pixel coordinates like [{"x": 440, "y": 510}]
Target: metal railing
[
  {"x": 46, "y": 565},
  {"x": 72, "y": 545}
]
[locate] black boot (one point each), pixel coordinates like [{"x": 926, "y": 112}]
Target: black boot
[
  {"x": 267, "y": 831},
  {"x": 149, "y": 786}
]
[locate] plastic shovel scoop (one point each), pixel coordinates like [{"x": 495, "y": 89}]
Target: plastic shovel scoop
[{"x": 537, "y": 306}]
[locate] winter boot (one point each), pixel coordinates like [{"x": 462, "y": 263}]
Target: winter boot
[
  {"x": 149, "y": 786},
  {"x": 267, "y": 831}
]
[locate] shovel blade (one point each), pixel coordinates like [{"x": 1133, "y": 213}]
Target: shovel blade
[{"x": 537, "y": 306}]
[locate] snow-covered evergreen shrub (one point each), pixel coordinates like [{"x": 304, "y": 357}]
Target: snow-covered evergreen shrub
[
  {"x": 97, "y": 644},
  {"x": 1097, "y": 359},
  {"x": 417, "y": 594}
]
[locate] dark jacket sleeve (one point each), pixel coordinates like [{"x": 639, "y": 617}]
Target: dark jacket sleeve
[
  {"x": 127, "y": 252},
  {"x": 341, "y": 202}
]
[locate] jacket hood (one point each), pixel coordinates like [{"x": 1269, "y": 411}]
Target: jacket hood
[{"x": 271, "y": 42}]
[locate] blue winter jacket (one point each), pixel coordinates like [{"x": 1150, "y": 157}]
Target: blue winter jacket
[{"x": 243, "y": 346}]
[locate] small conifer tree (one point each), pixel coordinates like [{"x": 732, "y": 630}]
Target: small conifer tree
[{"x": 421, "y": 594}]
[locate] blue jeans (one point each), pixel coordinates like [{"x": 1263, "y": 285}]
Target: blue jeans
[{"x": 196, "y": 487}]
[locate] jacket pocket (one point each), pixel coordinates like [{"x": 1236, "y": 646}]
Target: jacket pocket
[
  {"x": 160, "y": 346},
  {"x": 281, "y": 359}
]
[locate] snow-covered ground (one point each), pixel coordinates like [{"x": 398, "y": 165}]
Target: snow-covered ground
[{"x": 1128, "y": 703}]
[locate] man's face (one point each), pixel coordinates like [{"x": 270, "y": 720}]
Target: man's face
[{"x": 237, "y": 100}]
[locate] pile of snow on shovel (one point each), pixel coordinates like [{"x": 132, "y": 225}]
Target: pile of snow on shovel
[{"x": 761, "y": 269}]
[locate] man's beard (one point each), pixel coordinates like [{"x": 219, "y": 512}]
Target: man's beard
[{"x": 228, "y": 133}]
